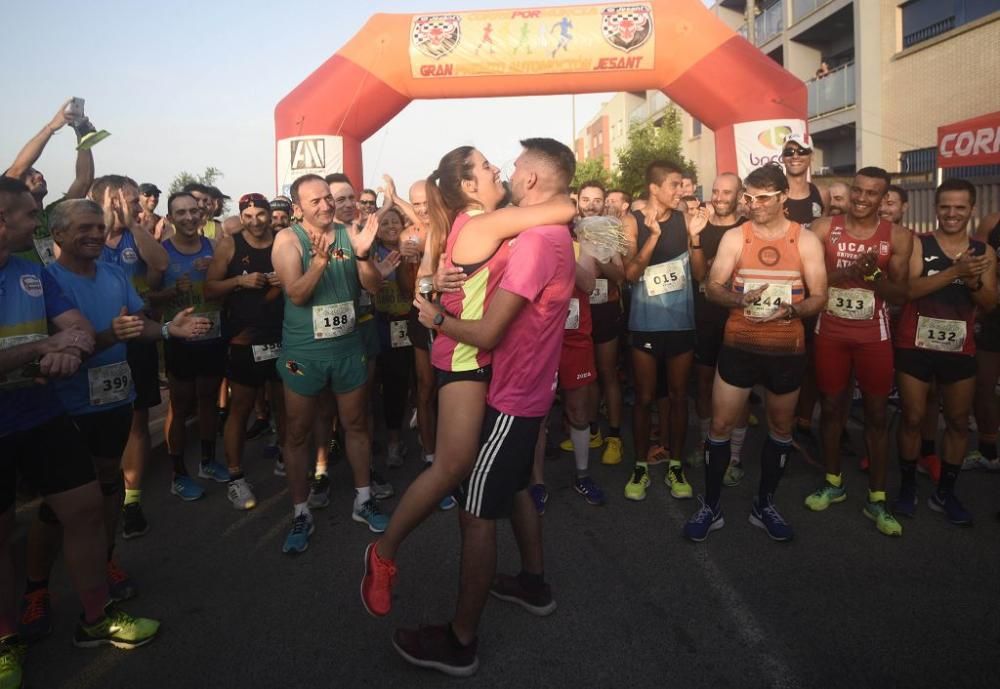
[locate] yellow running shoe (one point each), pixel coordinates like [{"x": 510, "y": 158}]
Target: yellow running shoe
[
  {"x": 679, "y": 487},
  {"x": 885, "y": 522},
  {"x": 612, "y": 451},
  {"x": 595, "y": 441},
  {"x": 636, "y": 487}
]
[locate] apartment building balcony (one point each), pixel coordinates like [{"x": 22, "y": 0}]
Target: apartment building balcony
[
  {"x": 769, "y": 23},
  {"x": 803, "y": 8},
  {"x": 832, "y": 93}
]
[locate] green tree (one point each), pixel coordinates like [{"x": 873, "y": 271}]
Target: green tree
[
  {"x": 646, "y": 143},
  {"x": 589, "y": 170},
  {"x": 209, "y": 177}
]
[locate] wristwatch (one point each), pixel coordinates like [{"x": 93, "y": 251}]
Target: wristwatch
[
  {"x": 874, "y": 275},
  {"x": 438, "y": 319},
  {"x": 165, "y": 330}
]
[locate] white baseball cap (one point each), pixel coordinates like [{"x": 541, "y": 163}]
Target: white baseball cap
[{"x": 800, "y": 140}]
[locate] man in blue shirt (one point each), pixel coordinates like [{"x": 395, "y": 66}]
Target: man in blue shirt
[{"x": 39, "y": 442}]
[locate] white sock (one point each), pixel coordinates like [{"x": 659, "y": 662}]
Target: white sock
[
  {"x": 302, "y": 508},
  {"x": 704, "y": 424},
  {"x": 361, "y": 496},
  {"x": 429, "y": 458},
  {"x": 581, "y": 447},
  {"x": 320, "y": 472},
  {"x": 736, "y": 443}
]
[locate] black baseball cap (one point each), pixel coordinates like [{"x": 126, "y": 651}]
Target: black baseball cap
[
  {"x": 148, "y": 189},
  {"x": 216, "y": 194}
]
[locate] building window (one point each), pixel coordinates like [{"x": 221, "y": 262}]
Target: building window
[
  {"x": 695, "y": 126},
  {"x": 925, "y": 19},
  {"x": 918, "y": 160}
]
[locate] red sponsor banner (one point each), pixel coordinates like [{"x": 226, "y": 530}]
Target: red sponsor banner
[{"x": 970, "y": 142}]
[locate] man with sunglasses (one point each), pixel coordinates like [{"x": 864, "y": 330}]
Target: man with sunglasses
[
  {"x": 149, "y": 198},
  {"x": 763, "y": 272},
  {"x": 867, "y": 261},
  {"x": 367, "y": 204}
]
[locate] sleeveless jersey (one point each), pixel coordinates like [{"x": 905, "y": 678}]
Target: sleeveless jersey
[
  {"x": 942, "y": 321},
  {"x": 579, "y": 322},
  {"x": 469, "y": 303},
  {"x": 704, "y": 310},
  {"x": 258, "y": 311},
  {"x": 663, "y": 296},
  {"x": 777, "y": 263},
  {"x": 993, "y": 239},
  {"x": 126, "y": 256},
  {"x": 326, "y": 325},
  {"x": 853, "y": 311},
  {"x": 804, "y": 211},
  {"x": 392, "y": 307},
  {"x": 212, "y": 229},
  {"x": 184, "y": 264}
]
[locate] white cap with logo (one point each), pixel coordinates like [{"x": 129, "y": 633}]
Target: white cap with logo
[{"x": 800, "y": 140}]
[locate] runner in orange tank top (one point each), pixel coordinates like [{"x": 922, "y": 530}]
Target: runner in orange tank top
[
  {"x": 771, "y": 265},
  {"x": 867, "y": 263}
]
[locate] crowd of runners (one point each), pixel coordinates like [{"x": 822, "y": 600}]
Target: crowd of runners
[{"x": 336, "y": 319}]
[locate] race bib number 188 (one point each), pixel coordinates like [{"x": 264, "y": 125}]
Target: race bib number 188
[{"x": 333, "y": 320}]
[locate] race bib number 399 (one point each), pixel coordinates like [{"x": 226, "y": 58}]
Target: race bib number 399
[
  {"x": 940, "y": 334},
  {"x": 109, "y": 384},
  {"x": 333, "y": 320},
  {"x": 768, "y": 301},
  {"x": 852, "y": 304},
  {"x": 664, "y": 277}
]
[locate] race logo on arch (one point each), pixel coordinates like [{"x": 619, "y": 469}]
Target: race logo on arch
[
  {"x": 308, "y": 155},
  {"x": 627, "y": 27},
  {"x": 436, "y": 35}
]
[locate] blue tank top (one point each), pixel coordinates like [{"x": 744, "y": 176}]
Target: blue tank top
[
  {"x": 663, "y": 296},
  {"x": 185, "y": 264},
  {"x": 126, "y": 256}
]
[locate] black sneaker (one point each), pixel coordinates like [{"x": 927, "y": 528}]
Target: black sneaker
[
  {"x": 436, "y": 648},
  {"x": 133, "y": 521},
  {"x": 508, "y": 588},
  {"x": 319, "y": 492},
  {"x": 258, "y": 428}
]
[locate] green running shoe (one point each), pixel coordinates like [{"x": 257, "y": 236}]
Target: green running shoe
[
  {"x": 826, "y": 496},
  {"x": 679, "y": 487},
  {"x": 884, "y": 521},
  {"x": 117, "y": 628},
  {"x": 636, "y": 487},
  {"x": 11, "y": 656}
]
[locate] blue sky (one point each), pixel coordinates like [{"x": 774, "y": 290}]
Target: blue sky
[{"x": 183, "y": 84}]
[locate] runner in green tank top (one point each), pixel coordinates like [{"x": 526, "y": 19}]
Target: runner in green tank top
[{"x": 322, "y": 266}]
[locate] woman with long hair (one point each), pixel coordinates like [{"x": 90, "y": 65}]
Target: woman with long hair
[{"x": 468, "y": 231}]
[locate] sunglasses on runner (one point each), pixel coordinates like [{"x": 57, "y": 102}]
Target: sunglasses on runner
[
  {"x": 365, "y": 202},
  {"x": 751, "y": 199},
  {"x": 794, "y": 153}
]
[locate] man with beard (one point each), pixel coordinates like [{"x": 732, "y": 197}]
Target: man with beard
[
  {"x": 711, "y": 318},
  {"x": 618, "y": 203},
  {"x": 367, "y": 204},
  {"x": 951, "y": 276},
  {"x": 840, "y": 199},
  {"x": 323, "y": 265},
  {"x": 867, "y": 267},
  {"x": 281, "y": 213},
  {"x": 43, "y": 250}
]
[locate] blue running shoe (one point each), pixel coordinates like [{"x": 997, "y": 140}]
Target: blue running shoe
[
  {"x": 297, "y": 540},
  {"x": 369, "y": 513},
  {"x": 186, "y": 488},
  {"x": 448, "y": 503},
  {"x": 540, "y": 496},
  {"x": 767, "y": 517},
  {"x": 950, "y": 506},
  {"x": 905, "y": 504},
  {"x": 214, "y": 472},
  {"x": 588, "y": 489},
  {"x": 703, "y": 522}
]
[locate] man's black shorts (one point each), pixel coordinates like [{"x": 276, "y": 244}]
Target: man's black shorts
[
  {"x": 243, "y": 370},
  {"x": 503, "y": 465},
  {"x": 988, "y": 333},
  {"x": 778, "y": 373},
  {"x": 943, "y": 367},
  {"x": 607, "y": 322},
  {"x": 664, "y": 344},
  {"x": 708, "y": 342},
  {"x": 144, "y": 360},
  {"x": 105, "y": 432},
  {"x": 199, "y": 360},
  {"x": 52, "y": 458}
]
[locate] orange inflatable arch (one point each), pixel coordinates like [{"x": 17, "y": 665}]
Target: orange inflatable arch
[{"x": 750, "y": 102}]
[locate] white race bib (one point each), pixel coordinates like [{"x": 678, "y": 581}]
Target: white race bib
[
  {"x": 46, "y": 248},
  {"x": 769, "y": 301},
  {"x": 266, "y": 352},
  {"x": 664, "y": 277},
  {"x": 940, "y": 334},
  {"x": 214, "y": 331},
  {"x": 573, "y": 317},
  {"x": 14, "y": 378},
  {"x": 856, "y": 304},
  {"x": 599, "y": 295},
  {"x": 333, "y": 320},
  {"x": 109, "y": 384},
  {"x": 399, "y": 334}
]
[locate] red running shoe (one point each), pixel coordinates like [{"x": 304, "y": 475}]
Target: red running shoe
[
  {"x": 376, "y": 586},
  {"x": 931, "y": 466}
]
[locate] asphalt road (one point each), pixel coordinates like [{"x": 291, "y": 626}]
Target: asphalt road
[{"x": 840, "y": 606}]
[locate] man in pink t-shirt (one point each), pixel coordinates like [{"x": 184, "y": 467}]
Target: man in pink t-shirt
[{"x": 524, "y": 327}]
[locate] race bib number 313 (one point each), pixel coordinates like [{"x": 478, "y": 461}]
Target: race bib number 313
[
  {"x": 852, "y": 304},
  {"x": 940, "y": 334},
  {"x": 333, "y": 320}
]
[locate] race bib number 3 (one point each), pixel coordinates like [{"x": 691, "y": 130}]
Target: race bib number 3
[
  {"x": 768, "y": 301},
  {"x": 664, "y": 277},
  {"x": 600, "y": 293},
  {"x": 940, "y": 334},
  {"x": 853, "y": 304},
  {"x": 109, "y": 384},
  {"x": 333, "y": 320},
  {"x": 399, "y": 334},
  {"x": 573, "y": 317},
  {"x": 266, "y": 352}
]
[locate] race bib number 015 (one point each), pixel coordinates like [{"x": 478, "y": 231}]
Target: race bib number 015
[
  {"x": 664, "y": 277},
  {"x": 940, "y": 334},
  {"x": 600, "y": 293},
  {"x": 266, "y": 352},
  {"x": 333, "y": 320},
  {"x": 853, "y": 304},
  {"x": 768, "y": 301},
  {"x": 109, "y": 384}
]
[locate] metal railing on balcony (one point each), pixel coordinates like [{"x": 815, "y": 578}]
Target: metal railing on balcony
[
  {"x": 928, "y": 32},
  {"x": 801, "y": 8},
  {"x": 832, "y": 92},
  {"x": 769, "y": 23},
  {"x": 742, "y": 31}
]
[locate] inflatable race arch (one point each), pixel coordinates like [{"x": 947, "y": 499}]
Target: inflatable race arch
[{"x": 750, "y": 102}]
